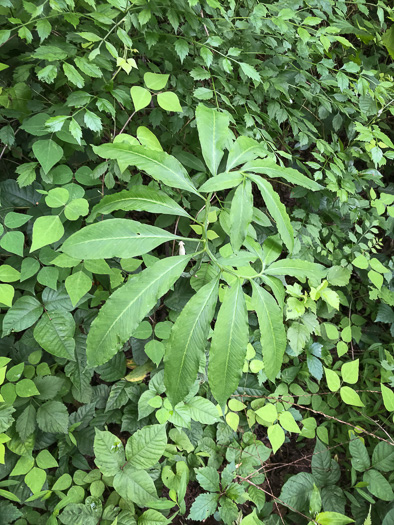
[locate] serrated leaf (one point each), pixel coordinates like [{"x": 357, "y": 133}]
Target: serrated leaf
[
  {"x": 128, "y": 305},
  {"x": 135, "y": 486},
  {"x": 52, "y": 417},
  {"x": 276, "y": 210},
  {"x": 23, "y": 314},
  {"x": 115, "y": 238},
  {"x": 187, "y": 342},
  {"x": 228, "y": 346},
  {"x": 138, "y": 198},
  {"x": 208, "y": 478},
  {"x": 109, "y": 452},
  {"x": 55, "y": 333},
  {"x": 241, "y": 213},
  {"x": 158, "y": 164},
  {"x": 272, "y": 331},
  {"x": 146, "y": 446}
]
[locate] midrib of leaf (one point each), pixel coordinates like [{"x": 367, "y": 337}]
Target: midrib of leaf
[
  {"x": 138, "y": 296},
  {"x": 239, "y": 289},
  {"x": 214, "y": 143},
  {"x": 190, "y": 336},
  {"x": 240, "y": 155}
]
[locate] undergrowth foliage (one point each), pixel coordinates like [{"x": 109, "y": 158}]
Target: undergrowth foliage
[{"x": 196, "y": 278}]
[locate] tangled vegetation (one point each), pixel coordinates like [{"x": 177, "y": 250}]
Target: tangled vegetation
[{"x": 196, "y": 279}]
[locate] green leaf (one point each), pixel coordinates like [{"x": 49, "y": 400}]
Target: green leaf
[
  {"x": 203, "y": 507},
  {"x": 187, "y": 342},
  {"x": 55, "y": 333},
  {"x": 383, "y": 457},
  {"x": 296, "y": 491},
  {"x": 332, "y": 518},
  {"x": 378, "y": 485},
  {"x": 228, "y": 346},
  {"x": 135, "y": 486},
  {"x": 26, "y": 422},
  {"x": 57, "y": 197},
  {"x": 92, "y": 121},
  {"x": 73, "y": 76},
  {"x": 26, "y": 388},
  {"x": 155, "y": 81},
  {"x": 46, "y": 230},
  {"x": 146, "y": 446},
  {"x": 152, "y": 517},
  {"x": 276, "y": 436},
  {"x": 158, "y": 164},
  {"x": 250, "y": 71},
  {"x": 361, "y": 262},
  {"x": 244, "y": 149},
  {"x": 13, "y": 242},
  {"x": 202, "y": 410},
  {"x": 48, "y": 153},
  {"x": 138, "y": 198},
  {"x": 182, "y": 48},
  {"x": 208, "y": 478},
  {"x": 360, "y": 456},
  {"x": 276, "y": 210},
  {"x": 35, "y": 125},
  {"x": 140, "y": 97},
  {"x": 332, "y": 378},
  {"x": 45, "y": 460},
  {"x": 109, "y": 452},
  {"x": 35, "y": 479},
  {"x": 7, "y": 293},
  {"x": 241, "y": 213},
  {"x": 169, "y": 101},
  {"x": 296, "y": 268},
  {"x": 23, "y": 314},
  {"x": 76, "y": 208},
  {"x": 269, "y": 168},
  {"x": 338, "y": 276},
  {"x": 223, "y": 181},
  {"x": 376, "y": 278},
  {"x": 268, "y": 413},
  {"x": 349, "y": 371},
  {"x": 251, "y": 519},
  {"x": 388, "y": 397},
  {"x": 288, "y": 422},
  {"x": 77, "y": 285},
  {"x": 115, "y": 238},
  {"x": 350, "y": 397},
  {"x": 272, "y": 331},
  {"x": 214, "y": 133},
  {"x": 52, "y": 417},
  {"x": 127, "y": 306}
]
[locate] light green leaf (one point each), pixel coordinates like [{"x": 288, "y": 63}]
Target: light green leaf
[
  {"x": 202, "y": 410},
  {"x": 214, "y": 133},
  {"x": 187, "y": 342},
  {"x": 272, "y": 331},
  {"x": 228, "y": 346},
  {"x": 155, "y": 81},
  {"x": 7, "y": 293},
  {"x": 76, "y": 208},
  {"x": 376, "y": 278},
  {"x": 26, "y": 388},
  {"x": 148, "y": 139},
  {"x": 251, "y": 519},
  {"x": 244, "y": 149},
  {"x": 269, "y": 168},
  {"x": 57, "y": 197},
  {"x": 350, "y": 397},
  {"x": 232, "y": 419},
  {"x": 203, "y": 507},
  {"x": 158, "y": 164},
  {"x": 48, "y": 153},
  {"x": 332, "y": 378},
  {"x": 23, "y": 314},
  {"x": 46, "y": 230},
  {"x": 92, "y": 121},
  {"x": 169, "y": 101},
  {"x": 349, "y": 371},
  {"x": 388, "y": 397},
  {"x": 250, "y": 71},
  {"x": 138, "y": 198},
  {"x": 73, "y": 76},
  {"x": 296, "y": 268},
  {"x": 208, "y": 478},
  {"x": 153, "y": 517},
  {"x": 35, "y": 479},
  {"x": 268, "y": 413},
  {"x": 332, "y": 518},
  {"x": 276, "y": 436},
  {"x": 115, "y": 238},
  {"x": 77, "y": 285},
  {"x": 146, "y": 446},
  {"x": 276, "y": 210},
  {"x": 45, "y": 460},
  {"x": 141, "y": 97},
  {"x": 13, "y": 242},
  {"x": 135, "y": 486},
  {"x": 55, "y": 333},
  {"x": 288, "y": 422},
  {"x": 223, "y": 181},
  {"x": 241, "y": 213},
  {"x": 361, "y": 262},
  {"x": 109, "y": 452},
  {"x": 127, "y": 306}
]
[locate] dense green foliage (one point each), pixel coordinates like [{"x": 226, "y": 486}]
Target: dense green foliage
[{"x": 196, "y": 284}]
